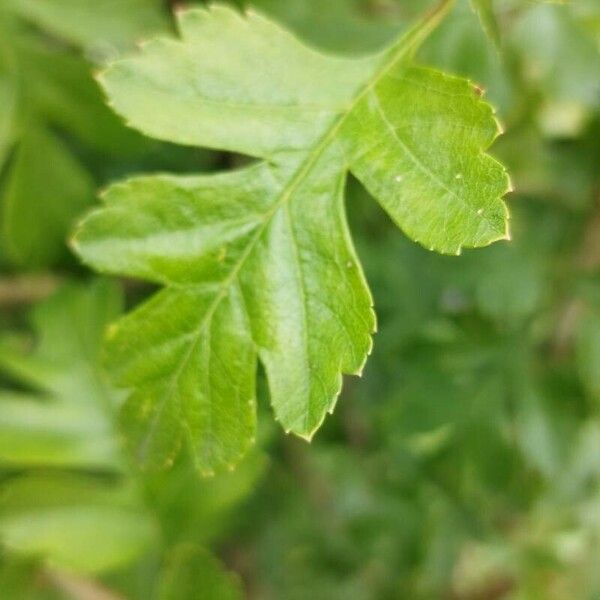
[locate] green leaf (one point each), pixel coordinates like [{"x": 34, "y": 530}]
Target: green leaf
[
  {"x": 74, "y": 522},
  {"x": 259, "y": 263},
  {"x": 194, "y": 573},
  {"x": 42, "y": 199},
  {"x": 65, "y": 422},
  {"x": 65, "y": 429}
]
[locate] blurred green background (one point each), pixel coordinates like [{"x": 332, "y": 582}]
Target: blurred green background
[{"x": 464, "y": 465}]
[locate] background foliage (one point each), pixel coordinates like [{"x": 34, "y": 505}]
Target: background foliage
[{"x": 465, "y": 464}]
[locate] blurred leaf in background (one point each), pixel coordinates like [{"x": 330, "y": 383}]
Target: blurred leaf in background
[
  {"x": 194, "y": 573},
  {"x": 49, "y": 92},
  {"x": 102, "y": 29},
  {"x": 64, "y": 424},
  {"x": 258, "y": 263}
]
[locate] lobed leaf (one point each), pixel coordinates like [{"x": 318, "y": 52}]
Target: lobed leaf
[{"x": 259, "y": 262}]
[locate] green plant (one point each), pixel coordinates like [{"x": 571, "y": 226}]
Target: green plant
[
  {"x": 258, "y": 263},
  {"x": 464, "y": 463}
]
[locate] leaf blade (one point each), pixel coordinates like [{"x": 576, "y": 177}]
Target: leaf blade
[
  {"x": 432, "y": 175},
  {"x": 287, "y": 249}
]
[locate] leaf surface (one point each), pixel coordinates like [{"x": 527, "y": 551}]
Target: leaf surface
[{"x": 259, "y": 262}]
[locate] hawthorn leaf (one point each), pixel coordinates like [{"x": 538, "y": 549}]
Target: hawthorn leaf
[{"x": 258, "y": 263}]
